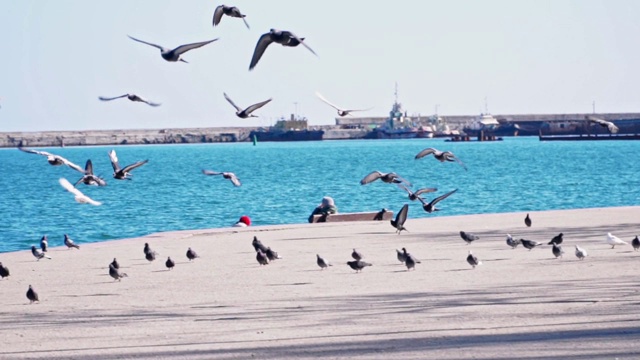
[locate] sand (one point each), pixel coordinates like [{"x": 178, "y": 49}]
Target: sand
[{"x": 519, "y": 304}]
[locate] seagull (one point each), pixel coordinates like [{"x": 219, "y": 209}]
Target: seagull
[
  {"x": 285, "y": 38},
  {"x": 356, "y": 255},
  {"x": 473, "y": 260},
  {"x": 175, "y": 54},
  {"x": 398, "y": 223},
  {"x": 431, "y": 206},
  {"x": 262, "y": 258},
  {"x": 32, "y": 295},
  {"x": 400, "y": 256},
  {"x": 527, "y": 221},
  {"x": 70, "y": 244},
  {"x": 231, "y": 11},
  {"x": 191, "y": 255},
  {"x": 413, "y": 196},
  {"x": 115, "y": 264},
  {"x": 530, "y": 244},
  {"x": 55, "y": 160},
  {"x": 557, "y": 250},
  {"x": 614, "y": 240},
  {"x": 320, "y": 261},
  {"x": 44, "y": 243},
  {"x": 581, "y": 253},
  {"x": 341, "y": 112},
  {"x": 389, "y": 178},
  {"x": 123, "y": 173},
  {"x": 115, "y": 273},
  {"x": 89, "y": 178},
  {"x": 245, "y": 113},
  {"x": 440, "y": 155},
  {"x": 358, "y": 265},
  {"x": 611, "y": 127},
  {"x": 169, "y": 263},
  {"x": 635, "y": 243},
  {"x": 468, "y": 237},
  {"x": 409, "y": 261},
  {"x": 511, "y": 242},
  {"x": 556, "y": 240},
  {"x": 227, "y": 175},
  {"x": 79, "y": 196},
  {"x": 257, "y": 245},
  {"x": 4, "y": 271},
  {"x": 132, "y": 97},
  {"x": 272, "y": 255}
]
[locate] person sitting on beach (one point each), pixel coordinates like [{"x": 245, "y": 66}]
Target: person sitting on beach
[
  {"x": 243, "y": 222},
  {"x": 325, "y": 208}
]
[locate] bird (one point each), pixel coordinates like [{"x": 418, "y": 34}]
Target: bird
[
  {"x": 174, "y": 55},
  {"x": 227, "y": 175},
  {"x": 442, "y": 156},
  {"x": 4, "y": 271},
  {"x": 473, "y": 260},
  {"x": 415, "y": 195},
  {"x": 635, "y": 243},
  {"x": 272, "y": 255},
  {"x": 262, "y": 258},
  {"x": 400, "y": 256},
  {"x": 123, "y": 173},
  {"x": 468, "y": 237},
  {"x": 78, "y": 195},
  {"x": 191, "y": 255},
  {"x": 89, "y": 178},
  {"x": 529, "y": 244},
  {"x": 38, "y": 254},
  {"x": 358, "y": 265},
  {"x": 611, "y": 127},
  {"x": 246, "y": 113},
  {"x": 341, "y": 112},
  {"x": 557, "y": 250},
  {"x": 70, "y": 244},
  {"x": 389, "y": 178},
  {"x": 54, "y": 160},
  {"x": 44, "y": 243},
  {"x": 527, "y": 220},
  {"x": 257, "y": 245},
  {"x": 410, "y": 261},
  {"x": 132, "y": 97},
  {"x": 115, "y": 273},
  {"x": 150, "y": 256},
  {"x": 115, "y": 263},
  {"x": 32, "y": 295},
  {"x": 283, "y": 37},
  {"x": 169, "y": 263},
  {"x": 511, "y": 242},
  {"x": 356, "y": 255},
  {"x": 398, "y": 223},
  {"x": 319, "y": 260},
  {"x": 231, "y": 11},
  {"x": 614, "y": 240},
  {"x": 581, "y": 253},
  {"x": 556, "y": 240},
  {"x": 431, "y": 206},
  {"x": 147, "y": 249}
]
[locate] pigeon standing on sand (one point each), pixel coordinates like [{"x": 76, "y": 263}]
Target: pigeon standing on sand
[
  {"x": 4, "y": 271},
  {"x": 169, "y": 263},
  {"x": 581, "y": 253},
  {"x": 635, "y": 243},
  {"x": 38, "y": 254},
  {"x": 358, "y": 265},
  {"x": 191, "y": 255},
  {"x": 398, "y": 223},
  {"x": 115, "y": 273},
  {"x": 400, "y": 256},
  {"x": 272, "y": 255},
  {"x": 410, "y": 261},
  {"x": 557, "y": 251},
  {"x": 527, "y": 221},
  {"x": 356, "y": 255},
  {"x": 557, "y": 240},
  {"x": 70, "y": 244},
  {"x": 530, "y": 244},
  {"x": 32, "y": 295},
  {"x": 258, "y": 245},
  {"x": 262, "y": 257},
  {"x": 44, "y": 243},
  {"x": 614, "y": 240},
  {"x": 511, "y": 242},
  {"x": 468, "y": 237},
  {"x": 473, "y": 260},
  {"x": 150, "y": 256},
  {"x": 115, "y": 264},
  {"x": 322, "y": 262}
]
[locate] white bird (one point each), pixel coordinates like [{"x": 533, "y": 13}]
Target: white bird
[
  {"x": 173, "y": 55},
  {"x": 511, "y": 242},
  {"x": 581, "y": 253},
  {"x": 227, "y": 175},
  {"x": 614, "y": 240},
  {"x": 341, "y": 112},
  {"x": 604, "y": 123},
  {"x": 132, "y": 97},
  {"x": 79, "y": 196},
  {"x": 54, "y": 160}
]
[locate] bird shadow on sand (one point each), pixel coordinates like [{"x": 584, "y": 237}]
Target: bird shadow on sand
[
  {"x": 461, "y": 269},
  {"x": 291, "y": 284}
]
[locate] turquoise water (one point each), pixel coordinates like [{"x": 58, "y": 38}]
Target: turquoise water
[{"x": 283, "y": 182}]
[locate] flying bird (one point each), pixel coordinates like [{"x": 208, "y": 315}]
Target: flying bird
[
  {"x": 611, "y": 127},
  {"x": 32, "y": 295},
  {"x": 431, "y": 206},
  {"x": 175, "y": 54},
  {"x": 89, "y": 178},
  {"x": 115, "y": 273},
  {"x": 44, "y": 243},
  {"x": 635, "y": 243},
  {"x": 358, "y": 265},
  {"x": 410, "y": 261},
  {"x": 414, "y": 195},
  {"x": 468, "y": 237},
  {"x": 389, "y": 178},
  {"x": 580, "y": 253},
  {"x": 230, "y": 11},
  {"x": 320, "y": 261},
  {"x": 123, "y": 173},
  {"x": 132, "y": 97},
  {"x": 557, "y": 251},
  {"x": 69, "y": 243},
  {"x": 614, "y": 240},
  {"x": 245, "y": 113},
  {"x": 55, "y": 160},
  {"x": 191, "y": 255},
  {"x": 227, "y": 175},
  {"x": 529, "y": 244},
  {"x": 473, "y": 260},
  {"x": 356, "y": 255},
  {"x": 442, "y": 156},
  {"x": 527, "y": 221},
  {"x": 169, "y": 263},
  {"x": 79, "y": 196},
  {"x": 512, "y": 242},
  {"x": 341, "y": 112},
  {"x": 398, "y": 223},
  {"x": 556, "y": 240},
  {"x": 285, "y": 38}
]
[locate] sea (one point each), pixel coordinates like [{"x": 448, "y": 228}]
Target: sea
[{"x": 283, "y": 182}]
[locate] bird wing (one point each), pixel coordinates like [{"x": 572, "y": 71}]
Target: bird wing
[
  {"x": 403, "y": 187},
  {"x": 245, "y": 22},
  {"x": 367, "y": 109},
  {"x": 148, "y": 43},
  {"x": 231, "y": 101},
  {"x": 442, "y": 197},
  {"x": 211, "y": 172},
  {"x": 150, "y": 103},
  {"x": 302, "y": 42},
  {"x": 31, "y": 151},
  {"x": 234, "y": 179},
  {"x": 134, "y": 165},
  {"x": 103, "y": 98},
  {"x": 400, "y": 178},
  {"x": 256, "y": 106},
  {"x": 425, "y": 152},
  {"x": 327, "y": 101},
  {"x": 217, "y": 15},
  {"x": 70, "y": 164},
  {"x": 88, "y": 168},
  {"x": 184, "y": 48},
  {"x": 114, "y": 160},
  {"x": 78, "y": 194},
  {"x": 402, "y": 215},
  {"x": 450, "y": 155},
  {"x": 425, "y": 190},
  {"x": 373, "y": 176},
  {"x": 612, "y": 128},
  {"x": 261, "y": 46}
]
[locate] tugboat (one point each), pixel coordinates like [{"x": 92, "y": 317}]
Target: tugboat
[
  {"x": 400, "y": 126},
  {"x": 294, "y": 129}
]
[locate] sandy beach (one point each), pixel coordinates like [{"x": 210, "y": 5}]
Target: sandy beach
[{"x": 519, "y": 304}]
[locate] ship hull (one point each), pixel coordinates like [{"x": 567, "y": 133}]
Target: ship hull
[{"x": 291, "y": 135}]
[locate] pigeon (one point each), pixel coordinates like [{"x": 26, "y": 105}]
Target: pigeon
[
  {"x": 174, "y": 55},
  {"x": 341, "y": 112},
  {"x": 611, "y": 127},
  {"x": 262, "y": 258},
  {"x": 556, "y": 240},
  {"x": 38, "y": 254},
  {"x": 415, "y": 195},
  {"x": 257, "y": 245},
  {"x": 115, "y": 273},
  {"x": 473, "y": 260},
  {"x": 468, "y": 237},
  {"x": 511, "y": 242},
  {"x": 246, "y": 113},
  {"x": 70, "y": 244},
  {"x": 147, "y": 249},
  {"x": 32, "y": 295},
  {"x": 4, "y": 271},
  {"x": 191, "y": 255},
  {"x": 115, "y": 263},
  {"x": 358, "y": 265},
  {"x": 442, "y": 156},
  {"x": 227, "y": 175},
  {"x": 272, "y": 255},
  {"x": 557, "y": 250},
  {"x": 614, "y": 240},
  {"x": 231, "y": 11},
  {"x": 150, "y": 256},
  {"x": 398, "y": 223},
  {"x": 320, "y": 261},
  {"x": 527, "y": 221},
  {"x": 123, "y": 173},
  {"x": 169, "y": 263},
  {"x": 390, "y": 178},
  {"x": 581, "y": 253},
  {"x": 356, "y": 255},
  {"x": 400, "y": 256},
  {"x": 44, "y": 244},
  {"x": 285, "y": 38},
  {"x": 635, "y": 243},
  {"x": 78, "y": 195},
  {"x": 431, "y": 206},
  {"x": 89, "y": 178},
  {"x": 132, "y": 97},
  {"x": 410, "y": 261},
  {"x": 530, "y": 244},
  {"x": 55, "y": 160}
]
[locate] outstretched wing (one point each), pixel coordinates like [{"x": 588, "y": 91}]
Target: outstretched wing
[
  {"x": 148, "y": 43},
  {"x": 402, "y": 215},
  {"x": 455, "y": 158},
  {"x": 150, "y": 103},
  {"x": 211, "y": 172},
  {"x": 245, "y": 22},
  {"x": 88, "y": 168},
  {"x": 231, "y": 101},
  {"x": 31, "y": 151},
  {"x": 184, "y": 48},
  {"x": 217, "y": 15},
  {"x": 70, "y": 188},
  {"x": 327, "y": 101},
  {"x": 261, "y": 46},
  {"x": 234, "y": 179},
  {"x": 134, "y": 165},
  {"x": 255, "y": 107},
  {"x": 302, "y": 42},
  {"x": 424, "y": 191},
  {"x": 425, "y": 152},
  {"x": 114, "y": 160},
  {"x": 354, "y": 110},
  {"x": 373, "y": 176},
  {"x": 70, "y": 164},
  {"x": 104, "y": 98},
  {"x": 442, "y": 197}
]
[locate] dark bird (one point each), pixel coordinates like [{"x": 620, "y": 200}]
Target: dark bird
[
  {"x": 556, "y": 240},
  {"x": 389, "y": 178},
  {"x": 341, "y": 112},
  {"x": 150, "y": 256},
  {"x": 468, "y": 237},
  {"x": 431, "y": 206},
  {"x": 4, "y": 271},
  {"x": 32, "y": 295},
  {"x": 230, "y": 11},
  {"x": 398, "y": 223},
  {"x": 257, "y": 245},
  {"x": 358, "y": 265},
  {"x": 611, "y": 127},
  {"x": 245, "y": 113},
  {"x": 356, "y": 255},
  {"x": 319, "y": 260},
  {"x": 70, "y": 244},
  {"x": 635, "y": 243},
  {"x": 115, "y": 263},
  {"x": 175, "y": 54},
  {"x": 227, "y": 175},
  {"x": 132, "y": 97},
  {"x": 38, "y": 254},
  {"x": 262, "y": 258},
  {"x": 191, "y": 255},
  {"x": 44, "y": 243},
  {"x": 272, "y": 255},
  {"x": 169, "y": 263},
  {"x": 415, "y": 195},
  {"x": 410, "y": 261},
  {"x": 557, "y": 250},
  {"x": 473, "y": 260},
  {"x": 285, "y": 38},
  {"x": 400, "y": 256},
  {"x": 89, "y": 178},
  {"x": 55, "y": 160},
  {"x": 115, "y": 273},
  {"x": 529, "y": 244},
  {"x": 512, "y": 242},
  {"x": 527, "y": 221},
  {"x": 123, "y": 173},
  {"x": 147, "y": 249},
  {"x": 442, "y": 156}
]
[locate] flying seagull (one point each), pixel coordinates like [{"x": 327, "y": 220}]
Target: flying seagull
[
  {"x": 79, "y": 196},
  {"x": 431, "y": 206},
  {"x": 358, "y": 265},
  {"x": 414, "y": 195},
  {"x": 245, "y": 113},
  {"x": 285, "y": 38},
  {"x": 123, "y": 173},
  {"x": 442, "y": 156},
  {"x": 231, "y": 11},
  {"x": 473, "y": 260},
  {"x": 527, "y": 220},
  {"x": 635, "y": 243},
  {"x": 398, "y": 223},
  {"x": 32, "y": 295},
  {"x": 409, "y": 261},
  {"x": 611, "y": 127},
  {"x": 556, "y": 240},
  {"x": 511, "y": 242},
  {"x": 322, "y": 262},
  {"x": 175, "y": 54},
  {"x": 227, "y": 175},
  {"x": 89, "y": 178},
  {"x": 132, "y": 97},
  {"x": 529, "y": 244},
  {"x": 389, "y": 178},
  {"x": 341, "y": 112},
  {"x": 580, "y": 253},
  {"x": 115, "y": 273},
  {"x": 468, "y": 237},
  {"x": 38, "y": 254},
  {"x": 614, "y": 240},
  {"x": 55, "y": 160},
  {"x": 557, "y": 250},
  {"x": 69, "y": 243}
]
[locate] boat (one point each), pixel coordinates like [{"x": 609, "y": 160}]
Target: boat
[
  {"x": 400, "y": 126},
  {"x": 294, "y": 129}
]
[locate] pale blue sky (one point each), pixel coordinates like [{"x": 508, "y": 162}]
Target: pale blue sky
[{"x": 524, "y": 56}]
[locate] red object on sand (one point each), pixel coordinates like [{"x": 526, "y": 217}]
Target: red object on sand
[{"x": 245, "y": 219}]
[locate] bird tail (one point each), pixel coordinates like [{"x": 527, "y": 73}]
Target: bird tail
[
  {"x": 47, "y": 256},
  {"x": 76, "y": 246},
  {"x": 124, "y": 275}
]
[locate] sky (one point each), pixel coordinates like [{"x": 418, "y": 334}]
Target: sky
[{"x": 525, "y": 56}]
